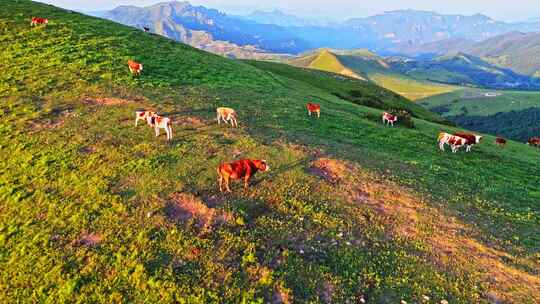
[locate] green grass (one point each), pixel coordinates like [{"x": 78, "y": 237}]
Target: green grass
[{"x": 71, "y": 169}]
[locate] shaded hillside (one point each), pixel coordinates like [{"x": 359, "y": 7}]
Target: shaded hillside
[{"x": 98, "y": 210}]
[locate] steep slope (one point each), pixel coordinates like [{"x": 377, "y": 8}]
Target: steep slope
[
  {"x": 97, "y": 210},
  {"x": 326, "y": 61}
]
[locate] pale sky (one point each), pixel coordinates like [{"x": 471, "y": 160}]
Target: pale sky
[{"x": 513, "y": 10}]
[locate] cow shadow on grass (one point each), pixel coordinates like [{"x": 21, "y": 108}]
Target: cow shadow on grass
[{"x": 282, "y": 169}]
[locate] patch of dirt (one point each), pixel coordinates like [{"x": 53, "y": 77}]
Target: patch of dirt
[
  {"x": 331, "y": 170},
  {"x": 88, "y": 240},
  {"x": 452, "y": 243},
  {"x": 190, "y": 121},
  {"x": 56, "y": 121},
  {"x": 107, "y": 101},
  {"x": 183, "y": 207}
]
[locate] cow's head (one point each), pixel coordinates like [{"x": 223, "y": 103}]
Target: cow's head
[
  {"x": 478, "y": 138},
  {"x": 262, "y": 165},
  {"x": 46, "y": 21}
]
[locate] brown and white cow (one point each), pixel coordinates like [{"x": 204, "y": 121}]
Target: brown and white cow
[
  {"x": 144, "y": 115},
  {"x": 134, "y": 67},
  {"x": 472, "y": 139},
  {"x": 534, "y": 141},
  {"x": 388, "y": 118},
  {"x": 455, "y": 142},
  {"x": 499, "y": 141},
  {"x": 314, "y": 108},
  {"x": 36, "y": 21},
  {"x": 240, "y": 169},
  {"x": 159, "y": 122},
  {"x": 227, "y": 115}
]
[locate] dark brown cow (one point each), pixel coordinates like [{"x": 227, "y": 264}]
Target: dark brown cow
[
  {"x": 534, "y": 141},
  {"x": 146, "y": 29},
  {"x": 499, "y": 141},
  {"x": 240, "y": 169},
  {"x": 472, "y": 139}
]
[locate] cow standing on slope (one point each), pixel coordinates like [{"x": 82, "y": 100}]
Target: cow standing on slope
[
  {"x": 388, "y": 118},
  {"x": 314, "y": 108},
  {"x": 36, "y": 21},
  {"x": 134, "y": 67},
  {"x": 241, "y": 169},
  {"x": 455, "y": 142},
  {"x": 472, "y": 139},
  {"x": 227, "y": 115},
  {"x": 159, "y": 122},
  {"x": 534, "y": 141}
]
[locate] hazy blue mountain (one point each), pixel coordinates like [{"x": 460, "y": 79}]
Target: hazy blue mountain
[
  {"x": 280, "y": 18},
  {"x": 182, "y": 21}
]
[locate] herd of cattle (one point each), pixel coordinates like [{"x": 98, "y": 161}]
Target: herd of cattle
[{"x": 246, "y": 168}]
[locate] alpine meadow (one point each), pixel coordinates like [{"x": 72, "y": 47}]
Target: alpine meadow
[{"x": 97, "y": 210}]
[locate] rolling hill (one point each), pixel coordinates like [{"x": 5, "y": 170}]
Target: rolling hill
[
  {"x": 97, "y": 210},
  {"x": 363, "y": 64}
]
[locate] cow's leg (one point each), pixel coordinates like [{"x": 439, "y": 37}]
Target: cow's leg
[
  {"x": 309, "y": 112},
  {"x": 246, "y": 181},
  {"x": 170, "y": 132},
  {"x": 227, "y": 183},
  {"x": 235, "y": 123},
  {"x": 441, "y": 145},
  {"x": 156, "y": 128},
  {"x": 319, "y": 114},
  {"x": 220, "y": 180},
  {"x": 218, "y": 119}
]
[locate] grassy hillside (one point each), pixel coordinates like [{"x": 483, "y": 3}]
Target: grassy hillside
[
  {"x": 356, "y": 91},
  {"x": 367, "y": 65},
  {"x": 513, "y": 114},
  {"x": 96, "y": 210}
]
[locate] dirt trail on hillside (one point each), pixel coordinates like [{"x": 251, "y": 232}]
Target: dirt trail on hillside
[{"x": 451, "y": 241}]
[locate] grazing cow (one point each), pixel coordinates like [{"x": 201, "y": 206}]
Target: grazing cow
[
  {"x": 240, "y": 169},
  {"x": 144, "y": 115},
  {"x": 314, "y": 108},
  {"x": 146, "y": 29},
  {"x": 389, "y": 118},
  {"x": 472, "y": 139},
  {"x": 534, "y": 141},
  {"x": 499, "y": 141},
  {"x": 36, "y": 21},
  {"x": 455, "y": 142},
  {"x": 135, "y": 67},
  {"x": 159, "y": 122},
  {"x": 227, "y": 115}
]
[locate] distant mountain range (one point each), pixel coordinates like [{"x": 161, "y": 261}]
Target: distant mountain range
[
  {"x": 208, "y": 29},
  {"x": 279, "y": 32}
]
